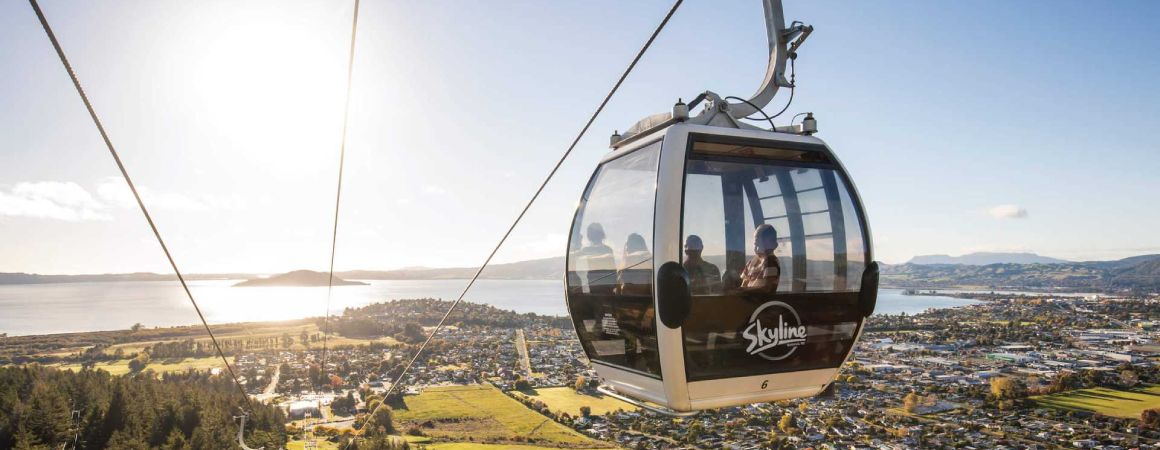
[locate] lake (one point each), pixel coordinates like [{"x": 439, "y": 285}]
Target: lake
[{"x": 70, "y": 307}]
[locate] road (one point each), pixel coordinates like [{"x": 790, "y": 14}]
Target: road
[
  {"x": 522, "y": 347},
  {"x": 273, "y": 386}
]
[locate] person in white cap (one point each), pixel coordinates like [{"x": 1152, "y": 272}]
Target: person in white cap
[
  {"x": 704, "y": 277},
  {"x": 763, "y": 272}
]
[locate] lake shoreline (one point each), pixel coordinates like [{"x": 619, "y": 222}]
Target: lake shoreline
[{"x": 64, "y": 309}]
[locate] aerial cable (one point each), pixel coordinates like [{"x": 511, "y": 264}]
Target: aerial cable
[
  {"x": 124, "y": 173},
  {"x": 792, "y": 84},
  {"x": 583, "y": 131},
  {"x": 772, "y": 127},
  {"x": 338, "y": 191}
]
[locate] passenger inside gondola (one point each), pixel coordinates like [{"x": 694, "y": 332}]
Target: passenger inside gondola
[
  {"x": 635, "y": 276},
  {"x": 704, "y": 277},
  {"x": 762, "y": 272},
  {"x": 600, "y": 262}
]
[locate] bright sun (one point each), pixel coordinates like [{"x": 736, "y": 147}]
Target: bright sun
[{"x": 271, "y": 82}]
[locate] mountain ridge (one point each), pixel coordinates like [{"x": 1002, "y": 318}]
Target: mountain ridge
[
  {"x": 1134, "y": 274},
  {"x": 987, "y": 258}
]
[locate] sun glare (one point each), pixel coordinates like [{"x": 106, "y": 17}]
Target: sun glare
[{"x": 271, "y": 83}]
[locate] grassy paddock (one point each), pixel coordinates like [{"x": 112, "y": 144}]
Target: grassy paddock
[
  {"x": 474, "y": 446},
  {"x": 565, "y": 400},
  {"x": 257, "y": 330},
  {"x": 1109, "y": 402},
  {"x": 121, "y": 367},
  {"x": 323, "y": 444},
  {"x": 483, "y": 413}
]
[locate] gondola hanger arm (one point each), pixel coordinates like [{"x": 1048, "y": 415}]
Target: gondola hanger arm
[{"x": 783, "y": 44}]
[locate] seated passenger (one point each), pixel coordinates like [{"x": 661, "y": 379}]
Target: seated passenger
[
  {"x": 635, "y": 275},
  {"x": 598, "y": 261},
  {"x": 704, "y": 277},
  {"x": 763, "y": 272},
  {"x": 575, "y": 259}
]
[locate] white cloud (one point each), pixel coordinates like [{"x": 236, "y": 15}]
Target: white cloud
[
  {"x": 51, "y": 200},
  {"x": 69, "y": 201},
  {"x": 1008, "y": 212}
]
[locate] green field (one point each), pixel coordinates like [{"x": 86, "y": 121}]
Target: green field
[
  {"x": 322, "y": 444},
  {"x": 257, "y": 331},
  {"x": 474, "y": 446},
  {"x": 121, "y": 367},
  {"x": 483, "y": 413},
  {"x": 1110, "y": 402},
  {"x": 565, "y": 400}
]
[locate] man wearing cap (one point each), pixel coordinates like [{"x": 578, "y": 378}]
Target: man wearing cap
[{"x": 704, "y": 277}]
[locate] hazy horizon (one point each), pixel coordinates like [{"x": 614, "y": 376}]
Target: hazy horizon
[{"x": 392, "y": 269}]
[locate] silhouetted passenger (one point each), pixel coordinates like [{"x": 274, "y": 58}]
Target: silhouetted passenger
[
  {"x": 635, "y": 277},
  {"x": 763, "y": 271},
  {"x": 634, "y": 307},
  {"x": 599, "y": 261},
  {"x": 575, "y": 259},
  {"x": 704, "y": 277}
]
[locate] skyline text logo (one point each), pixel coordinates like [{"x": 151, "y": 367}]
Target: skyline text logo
[{"x": 774, "y": 331}]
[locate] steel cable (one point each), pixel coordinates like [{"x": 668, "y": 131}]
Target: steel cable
[
  {"x": 560, "y": 162},
  {"x": 338, "y": 193},
  {"x": 124, "y": 173}
]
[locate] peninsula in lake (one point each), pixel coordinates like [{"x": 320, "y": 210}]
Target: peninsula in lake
[{"x": 298, "y": 278}]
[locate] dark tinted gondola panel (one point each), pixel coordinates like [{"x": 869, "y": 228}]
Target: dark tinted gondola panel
[{"x": 610, "y": 266}]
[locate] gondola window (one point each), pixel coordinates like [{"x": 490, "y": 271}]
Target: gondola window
[
  {"x": 610, "y": 264},
  {"x": 730, "y": 192}
]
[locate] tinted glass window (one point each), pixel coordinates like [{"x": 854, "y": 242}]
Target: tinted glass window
[
  {"x": 775, "y": 253},
  {"x": 610, "y": 266}
]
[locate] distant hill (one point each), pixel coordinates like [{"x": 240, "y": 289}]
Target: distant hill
[
  {"x": 986, "y": 258},
  {"x": 1139, "y": 274},
  {"x": 298, "y": 278},
  {"x": 536, "y": 269},
  {"x": 1145, "y": 273},
  {"x": 33, "y": 278}
]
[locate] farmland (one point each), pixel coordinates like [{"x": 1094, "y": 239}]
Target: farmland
[
  {"x": 121, "y": 367},
  {"x": 257, "y": 331},
  {"x": 474, "y": 446},
  {"x": 483, "y": 414},
  {"x": 1127, "y": 404},
  {"x": 563, "y": 400}
]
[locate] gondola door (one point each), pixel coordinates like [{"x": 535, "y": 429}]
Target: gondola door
[
  {"x": 774, "y": 246},
  {"x": 610, "y": 271}
]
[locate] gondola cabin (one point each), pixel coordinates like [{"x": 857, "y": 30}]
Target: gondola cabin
[{"x": 711, "y": 266}]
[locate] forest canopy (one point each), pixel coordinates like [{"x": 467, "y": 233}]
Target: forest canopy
[{"x": 178, "y": 411}]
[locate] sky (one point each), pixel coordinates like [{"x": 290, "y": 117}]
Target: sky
[{"x": 967, "y": 126}]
